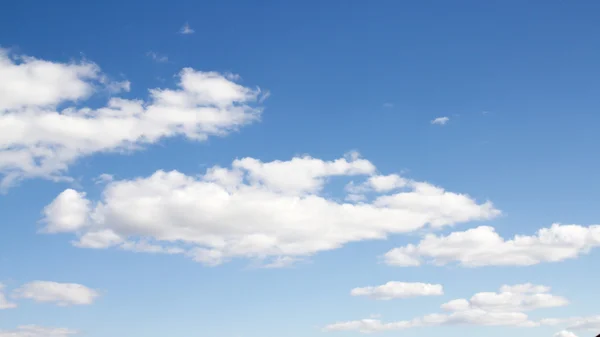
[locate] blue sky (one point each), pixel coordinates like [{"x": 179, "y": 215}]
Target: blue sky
[{"x": 289, "y": 196}]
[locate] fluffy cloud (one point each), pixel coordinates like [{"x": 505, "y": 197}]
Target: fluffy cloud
[
  {"x": 392, "y": 290},
  {"x": 483, "y": 309},
  {"x": 440, "y": 121},
  {"x": 27, "y": 82},
  {"x": 261, "y": 210},
  {"x": 4, "y": 302},
  {"x": 39, "y": 140},
  {"x": 63, "y": 294},
  {"x": 37, "y": 331},
  {"x": 482, "y": 246}
]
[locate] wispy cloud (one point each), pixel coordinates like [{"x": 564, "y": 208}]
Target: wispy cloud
[
  {"x": 388, "y": 105},
  {"x": 440, "y": 121},
  {"x": 157, "y": 57},
  {"x": 186, "y": 29}
]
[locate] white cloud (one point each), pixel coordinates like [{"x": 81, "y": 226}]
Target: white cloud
[
  {"x": 482, "y": 246},
  {"x": 67, "y": 212},
  {"x": 63, "y": 294},
  {"x": 37, "y": 331},
  {"x": 27, "y": 82},
  {"x": 254, "y": 209},
  {"x": 156, "y": 57},
  {"x": 4, "y": 302},
  {"x": 392, "y": 290},
  {"x": 39, "y": 140},
  {"x": 186, "y": 29},
  {"x": 117, "y": 87},
  {"x": 378, "y": 183},
  {"x": 565, "y": 333},
  {"x": 388, "y": 105},
  {"x": 104, "y": 178},
  {"x": 440, "y": 121},
  {"x": 385, "y": 183},
  {"x": 523, "y": 297},
  {"x": 483, "y": 309}
]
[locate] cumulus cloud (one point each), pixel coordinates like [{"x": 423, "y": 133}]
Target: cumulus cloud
[
  {"x": 506, "y": 308},
  {"x": 565, "y": 333},
  {"x": 4, "y": 302},
  {"x": 29, "y": 82},
  {"x": 63, "y": 294},
  {"x": 253, "y": 209},
  {"x": 37, "y": 331},
  {"x": 393, "y": 290},
  {"x": 440, "y": 121},
  {"x": 39, "y": 140},
  {"x": 482, "y": 246}
]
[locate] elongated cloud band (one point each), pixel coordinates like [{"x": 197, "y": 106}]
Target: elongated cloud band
[{"x": 261, "y": 210}]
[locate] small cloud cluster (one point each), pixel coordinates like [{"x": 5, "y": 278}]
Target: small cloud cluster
[
  {"x": 39, "y": 140},
  {"x": 505, "y": 308}
]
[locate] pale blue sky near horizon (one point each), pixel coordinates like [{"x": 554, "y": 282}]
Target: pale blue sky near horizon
[{"x": 519, "y": 81}]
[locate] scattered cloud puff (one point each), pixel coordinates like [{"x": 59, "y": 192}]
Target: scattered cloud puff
[
  {"x": 482, "y": 246},
  {"x": 63, "y": 294},
  {"x": 393, "y": 290},
  {"x": 271, "y": 211},
  {"x": 104, "y": 178},
  {"x": 39, "y": 140},
  {"x": 440, "y": 121},
  {"x": 37, "y": 331},
  {"x": 506, "y": 308},
  {"x": 4, "y": 302},
  {"x": 157, "y": 57},
  {"x": 388, "y": 105},
  {"x": 186, "y": 29},
  {"x": 565, "y": 333}
]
